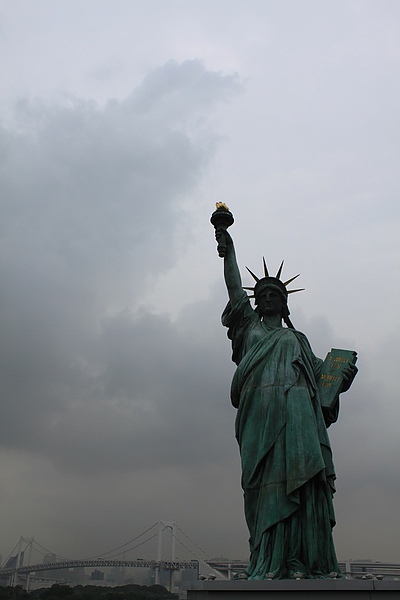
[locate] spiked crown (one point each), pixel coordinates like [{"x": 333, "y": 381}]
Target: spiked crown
[{"x": 268, "y": 281}]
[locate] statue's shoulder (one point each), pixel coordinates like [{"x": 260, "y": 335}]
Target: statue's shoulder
[
  {"x": 240, "y": 311},
  {"x": 299, "y": 334},
  {"x": 302, "y": 338}
]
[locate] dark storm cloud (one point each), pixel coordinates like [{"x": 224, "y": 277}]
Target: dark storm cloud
[
  {"x": 143, "y": 398},
  {"x": 89, "y": 214}
]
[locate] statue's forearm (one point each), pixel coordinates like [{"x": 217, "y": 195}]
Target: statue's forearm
[
  {"x": 232, "y": 276},
  {"x": 222, "y": 219}
]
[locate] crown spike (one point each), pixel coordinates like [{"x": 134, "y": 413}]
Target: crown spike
[
  {"x": 290, "y": 280},
  {"x": 265, "y": 268},
  {"x": 278, "y": 275},
  {"x": 267, "y": 276},
  {"x": 252, "y": 274}
]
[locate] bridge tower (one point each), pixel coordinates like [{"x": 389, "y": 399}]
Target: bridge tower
[
  {"x": 19, "y": 560},
  {"x": 164, "y": 526}
]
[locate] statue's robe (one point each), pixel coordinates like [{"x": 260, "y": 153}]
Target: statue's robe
[{"x": 287, "y": 467}]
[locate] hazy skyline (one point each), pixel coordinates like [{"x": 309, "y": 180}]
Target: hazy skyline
[{"x": 122, "y": 123}]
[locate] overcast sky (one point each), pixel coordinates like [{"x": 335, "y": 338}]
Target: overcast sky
[{"x": 122, "y": 123}]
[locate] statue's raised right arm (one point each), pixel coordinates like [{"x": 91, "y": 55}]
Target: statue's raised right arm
[{"x": 232, "y": 275}]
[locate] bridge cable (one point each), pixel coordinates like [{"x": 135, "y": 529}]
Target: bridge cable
[
  {"x": 133, "y": 547},
  {"x": 11, "y": 553},
  {"x": 123, "y": 545},
  {"x": 36, "y": 543},
  {"x": 194, "y": 543}
]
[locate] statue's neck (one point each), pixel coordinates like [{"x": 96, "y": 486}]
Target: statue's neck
[{"x": 272, "y": 320}]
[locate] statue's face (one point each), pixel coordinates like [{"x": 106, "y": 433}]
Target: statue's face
[{"x": 270, "y": 301}]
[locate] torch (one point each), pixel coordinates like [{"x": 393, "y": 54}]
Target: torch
[{"x": 222, "y": 218}]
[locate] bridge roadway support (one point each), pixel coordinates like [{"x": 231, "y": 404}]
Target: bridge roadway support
[{"x": 312, "y": 589}]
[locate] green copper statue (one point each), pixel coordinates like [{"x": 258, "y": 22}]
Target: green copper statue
[{"x": 281, "y": 427}]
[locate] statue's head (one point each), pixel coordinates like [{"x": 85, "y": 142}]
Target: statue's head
[
  {"x": 270, "y": 296},
  {"x": 270, "y": 282},
  {"x": 271, "y": 293}
]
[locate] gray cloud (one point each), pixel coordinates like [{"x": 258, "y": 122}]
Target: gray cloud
[
  {"x": 89, "y": 214},
  {"x": 114, "y": 367},
  {"x": 84, "y": 185}
]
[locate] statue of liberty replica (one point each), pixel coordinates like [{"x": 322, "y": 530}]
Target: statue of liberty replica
[{"x": 281, "y": 424}]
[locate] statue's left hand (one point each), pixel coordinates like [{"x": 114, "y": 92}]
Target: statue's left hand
[{"x": 348, "y": 373}]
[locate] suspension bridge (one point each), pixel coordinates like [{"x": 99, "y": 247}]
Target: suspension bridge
[{"x": 19, "y": 567}]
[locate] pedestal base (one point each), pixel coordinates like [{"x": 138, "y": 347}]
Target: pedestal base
[{"x": 295, "y": 590}]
